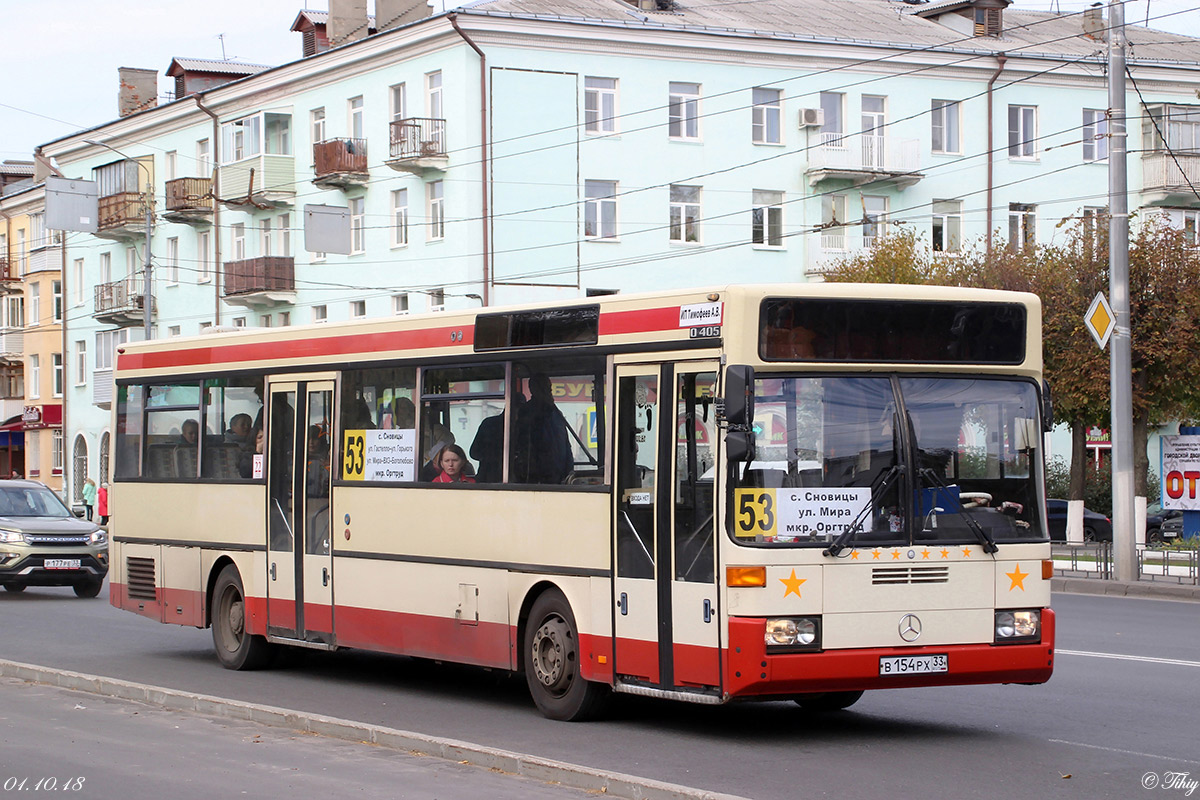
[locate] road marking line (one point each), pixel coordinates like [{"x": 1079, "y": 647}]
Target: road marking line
[
  {"x": 1149, "y": 659},
  {"x": 1125, "y": 752}
]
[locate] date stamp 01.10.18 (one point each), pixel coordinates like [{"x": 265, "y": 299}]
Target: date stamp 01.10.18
[{"x": 48, "y": 784}]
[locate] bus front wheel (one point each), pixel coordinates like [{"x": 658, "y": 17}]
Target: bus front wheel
[
  {"x": 236, "y": 649},
  {"x": 828, "y": 701},
  {"x": 552, "y": 662}
]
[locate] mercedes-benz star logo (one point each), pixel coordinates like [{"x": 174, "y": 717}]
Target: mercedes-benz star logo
[{"x": 910, "y": 627}]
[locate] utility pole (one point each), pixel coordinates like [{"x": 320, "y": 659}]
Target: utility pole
[{"x": 1121, "y": 359}]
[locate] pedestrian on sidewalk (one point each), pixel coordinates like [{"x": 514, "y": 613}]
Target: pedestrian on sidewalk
[
  {"x": 102, "y": 503},
  {"x": 89, "y": 497}
]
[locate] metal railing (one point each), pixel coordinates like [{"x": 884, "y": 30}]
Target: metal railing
[
  {"x": 336, "y": 156},
  {"x": 1095, "y": 560},
  {"x": 125, "y": 295},
  {"x": 262, "y": 274},
  {"x": 123, "y": 209},
  {"x": 418, "y": 137},
  {"x": 1162, "y": 171},
  {"x": 189, "y": 194}
]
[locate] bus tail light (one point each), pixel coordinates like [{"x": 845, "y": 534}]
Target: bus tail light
[
  {"x": 745, "y": 576},
  {"x": 793, "y": 633},
  {"x": 1047, "y": 569},
  {"x": 1018, "y": 626}
]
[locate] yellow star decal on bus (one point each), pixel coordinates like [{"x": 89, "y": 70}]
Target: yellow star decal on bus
[
  {"x": 793, "y": 584},
  {"x": 967, "y": 552},
  {"x": 925, "y": 553},
  {"x": 1017, "y": 577},
  {"x": 854, "y": 555},
  {"x": 945, "y": 553},
  {"x": 875, "y": 555},
  {"x": 895, "y": 555}
]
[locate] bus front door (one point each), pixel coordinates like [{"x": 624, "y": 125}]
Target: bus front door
[
  {"x": 667, "y": 626},
  {"x": 299, "y": 560}
]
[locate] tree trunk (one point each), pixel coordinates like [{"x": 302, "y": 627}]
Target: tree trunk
[{"x": 1141, "y": 459}]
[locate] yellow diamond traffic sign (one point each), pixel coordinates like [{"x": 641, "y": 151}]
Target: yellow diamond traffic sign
[{"x": 1100, "y": 320}]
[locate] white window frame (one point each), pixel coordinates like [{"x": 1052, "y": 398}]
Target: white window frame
[
  {"x": 400, "y": 304},
  {"x": 766, "y": 115},
  {"x": 57, "y": 377},
  {"x": 1022, "y": 133},
  {"x": 684, "y": 214},
  {"x": 237, "y": 241},
  {"x": 1022, "y": 226},
  {"x": 316, "y": 121},
  {"x": 77, "y": 273},
  {"x": 265, "y": 237},
  {"x": 874, "y": 224},
  {"x": 358, "y": 309},
  {"x": 34, "y": 308},
  {"x": 320, "y": 313},
  {"x": 204, "y": 159},
  {"x": 1095, "y": 135},
  {"x": 34, "y": 384},
  {"x": 766, "y": 219},
  {"x": 355, "y": 124},
  {"x": 81, "y": 368},
  {"x": 56, "y": 307},
  {"x": 600, "y": 211},
  {"x": 171, "y": 261},
  {"x": 433, "y": 95},
  {"x": 358, "y": 216},
  {"x": 947, "y": 226},
  {"x": 683, "y": 111},
  {"x": 399, "y": 226},
  {"x": 398, "y": 101},
  {"x": 435, "y": 202},
  {"x": 600, "y": 105},
  {"x": 437, "y": 299},
  {"x": 946, "y": 127},
  {"x": 284, "y": 231},
  {"x": 171, "y": 165},
  {"x": 174, "y": 331},
  {"x": 204, "y": 275},
  {"x": 833, "y": 222},
  {"x": 106, "y": 268}
]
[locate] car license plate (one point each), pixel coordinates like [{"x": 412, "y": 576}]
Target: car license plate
[
  {"x": 914, "y": 665},
  {"x": 61, "y": 563}
]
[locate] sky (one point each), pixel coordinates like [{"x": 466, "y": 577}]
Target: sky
[{"x": 58, "y": 74}]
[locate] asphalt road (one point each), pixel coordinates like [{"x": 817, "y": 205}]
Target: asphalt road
[{"x": 1120, "y": 709}]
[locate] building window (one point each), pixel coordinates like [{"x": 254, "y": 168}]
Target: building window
[
  {"x": 833, "y": 221},
  {"x": 35, "y": 376},
  {"x": 400, "y": 218},
  {"x": 437, "y": 211},
  {"x": 766, "y": 218},
  {"x": 433, "y": 95},
  {"x": 767, "y": 116},
  {"x": 437, "y": 300},
  {"x": 35, "y": 305},
  {"x": 358, "y": 309},
  {"x": 37, "y": 232},
  {"x": 204, "y": 274},
  {"x": 685, "y": 214},
  {"x": 317, "y": 119},
  {"x": 171, "y": 165},
  {"x": 399, "y": 102},
  {"x": 947, "y": 226},
  {"x": 56, "y": 451},
  {"x": 174, "y": 331},
  {"x": 1190, "y": 224},
  {"x": 874, "y": 214},
  {"x": 600, "y": 105},
  {"x": 683, "y": 111},
  {"x": 203, "y": 157},
  {"x": 1179, "y": 124},
  {"x": 172, "y": 260},
  {"x": 944, "y": 118},
  {"x": 400, "y": 304},
  {"x": 357, "y": 225},
  {"x": 355, "y": 109},
  {"x": 1022, "y": 132},
  {"x": 238, "y": 233},
  {"x": 285, "y": 319},
  {"x": 81, "y": 368},
  {"x": 1094, "y": 218},
  {"x": 56, "y": 288},
  {"x": 264, "y": 321},
  {"x": 239, "y": 322},
  {"x": 132, "y": 263},
  {"x": 600, "y": 210},
  {"x": 77, "y": 282},
  {"x": 285, "y": 235},
  {"x": 264, "y": 238},
  {"x": 831, "y": 106},
  {"x": 319, "y": 314},
  {"x": 1095, "y": 134},
  {"x": 1022, "y": 226},
  {"x": 57, "y": 360}
]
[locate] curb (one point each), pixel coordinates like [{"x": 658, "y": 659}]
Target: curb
[
  {"x": 1142, "y": 589},
  {"x": 546, "y": 770}
]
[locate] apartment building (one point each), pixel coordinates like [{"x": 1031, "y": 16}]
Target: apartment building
[{"x": 522, "y": 150}]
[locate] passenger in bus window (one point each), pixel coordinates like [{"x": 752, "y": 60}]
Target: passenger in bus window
[
  {"x": 239, "y": 429},
  {"x": 246, "y": 457},
  {"x": 454, "y": 465},
  {"x": 317, "y": 477},
  {"x": 541, "y": 444},
  {"x": 488, "y": 446},
  {"x": 190, "y": 432}
]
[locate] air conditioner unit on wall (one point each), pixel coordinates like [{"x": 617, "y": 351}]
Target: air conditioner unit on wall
[{"x": 812, "y": 117}]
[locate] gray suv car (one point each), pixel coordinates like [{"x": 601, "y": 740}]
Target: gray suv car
[{"x": 43, "y": 544}]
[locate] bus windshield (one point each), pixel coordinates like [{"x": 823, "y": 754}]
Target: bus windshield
[{"x": 889, "y": 461}]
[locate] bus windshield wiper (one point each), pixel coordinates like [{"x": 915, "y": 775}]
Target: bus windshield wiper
[
  {"x": 878, "y": 486},
  {"x": 985, "y": 538}
]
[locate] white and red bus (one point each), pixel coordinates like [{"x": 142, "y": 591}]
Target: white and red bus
[{"x": 796, "y": 491}]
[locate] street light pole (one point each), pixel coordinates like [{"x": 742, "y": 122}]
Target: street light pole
[{"x": 147, "y": 297}]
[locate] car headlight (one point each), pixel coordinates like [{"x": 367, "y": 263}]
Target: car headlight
[
  {"x": 12, "y": 537},
  {"x": 1018, "y": 626},
  {"x": 793, "y": 633},
  {"x": 99, "y": 536}
]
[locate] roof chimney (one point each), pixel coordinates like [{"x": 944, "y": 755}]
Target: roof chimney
[
  {"x": 138, "y": 90},
  {"x": 347, "y": 21},
  {"x": 1093, "y": 22},
  {"x": 394, "y": 13}
]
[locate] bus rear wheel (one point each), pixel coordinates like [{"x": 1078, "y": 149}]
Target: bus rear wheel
[
  {"x": 236, "y": 649},
  {"x": 827, "y": 701},
  {"x": 552, "y": 662}
]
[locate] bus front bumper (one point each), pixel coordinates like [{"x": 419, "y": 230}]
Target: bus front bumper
[{"x": 751, "y": 671}]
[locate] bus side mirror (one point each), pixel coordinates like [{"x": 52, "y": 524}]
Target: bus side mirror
[
  {"x": 739, "y": 395},
  {"x": 1047, "y": 408},
  {"x": 739, "y": 446}
]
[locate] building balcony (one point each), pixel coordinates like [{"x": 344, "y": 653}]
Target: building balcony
[
  {"x": 1168, "y": 180},
  {"x": 340, "y": 163},
  {"x": 10, "y": 281},
  {"x": 418, "y": 145},
  {"x": 12, "y": 345},
  {"x": 122, "y": 302},
  {"x": 260, "y": 282},
  {"x": 862, "y": 158},
  {"x": 267, "y": 179},
  {"x": 189, "y": 200},
  {"x": 123, "y": 215},
  {"x": 47, "y": 259}
]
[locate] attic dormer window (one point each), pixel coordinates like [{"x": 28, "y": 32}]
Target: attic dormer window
[{"x": 987, "y": 22}]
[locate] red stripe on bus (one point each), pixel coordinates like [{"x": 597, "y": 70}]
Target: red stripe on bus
[
  {"x": 640, "y": 321},
  {"x": 751, "y": 671}
]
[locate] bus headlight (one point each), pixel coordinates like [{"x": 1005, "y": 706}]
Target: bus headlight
[
  {"x": 793, "y": 633},
  {"x": 1018, "y": 626}
]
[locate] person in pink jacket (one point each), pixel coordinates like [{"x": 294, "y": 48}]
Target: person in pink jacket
[{"x": 102, "y": 503}]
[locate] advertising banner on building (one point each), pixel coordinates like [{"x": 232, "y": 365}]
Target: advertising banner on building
[{"x": 1181, "y": 472}]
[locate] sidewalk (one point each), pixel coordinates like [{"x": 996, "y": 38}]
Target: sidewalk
[{"x": 1156, "y": 590}]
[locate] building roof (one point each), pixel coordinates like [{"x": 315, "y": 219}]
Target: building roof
[
  {"x": 179, "y": 65},
  {"x": 13, "y": 167},
  {"x": 884, "y": 22},
  {"x": 321, "y": 18}
]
